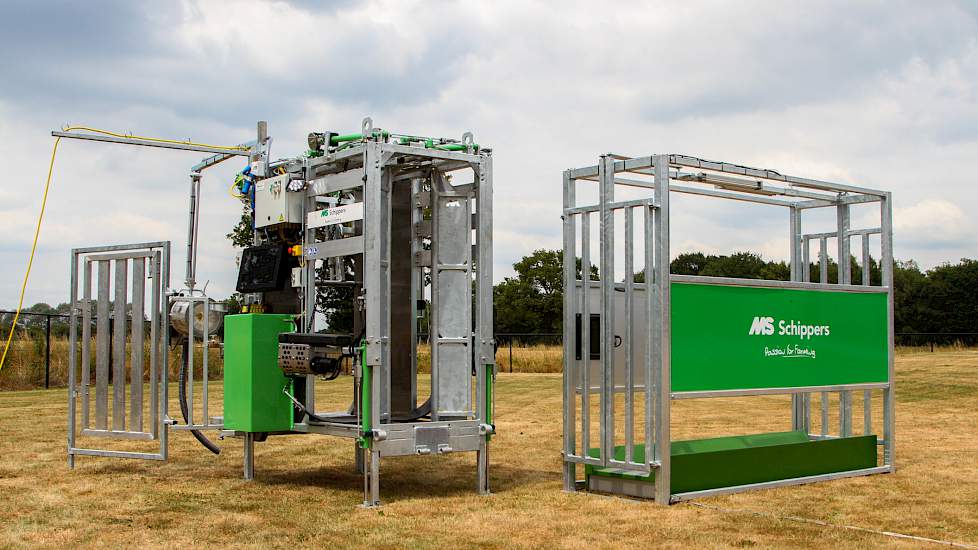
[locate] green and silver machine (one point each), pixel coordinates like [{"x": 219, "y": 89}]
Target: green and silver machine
[
  {"x": 635, "y": 344},
  {"x": 394, "y": 228}
]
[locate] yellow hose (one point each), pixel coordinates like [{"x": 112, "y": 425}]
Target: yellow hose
[
  {"x": 158, "y": 140},
  {"x": 30, "y": 260},
  {"x": 44, "y": 202}
]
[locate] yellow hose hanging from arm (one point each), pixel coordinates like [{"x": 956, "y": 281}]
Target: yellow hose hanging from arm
[{"x": 44, "y": 202}]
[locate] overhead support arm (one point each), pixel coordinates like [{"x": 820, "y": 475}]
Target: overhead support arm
[{"x": 244, "y": 152}]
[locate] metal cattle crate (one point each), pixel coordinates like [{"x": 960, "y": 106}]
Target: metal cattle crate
[{"x": 637, "y": 337}]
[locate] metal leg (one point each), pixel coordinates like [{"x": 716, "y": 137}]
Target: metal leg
[
  {"x": 570, "y": 477},
  {"x": 249, "y": 456},
  {"x": 482, "y": 458},
  {"x": 359, "y": 453},
  {"x": 371, "y": 482}
]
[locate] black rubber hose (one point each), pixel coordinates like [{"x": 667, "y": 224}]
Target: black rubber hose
[{"x": 182, "y": 383}]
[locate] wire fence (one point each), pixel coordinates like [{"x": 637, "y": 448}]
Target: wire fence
[{"x": 47, "y": 335}]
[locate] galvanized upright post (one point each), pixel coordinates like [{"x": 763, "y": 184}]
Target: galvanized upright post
[
  {"x": 486, "y": 369},
  {"x": 570, "y": 297},
  {"x": 867, "y": 394},
  {"x": 889, "y": 412},
  {"x": 606, "y": 176},
  {"x": 249, "y": 456},
  {"x": 376, "y": 284},
  {"x": 798, "y": 401},
  {"x": 72, "y": 365},
  {"x": 663, "y": 357},
  {"x": 844, "y": 278}
]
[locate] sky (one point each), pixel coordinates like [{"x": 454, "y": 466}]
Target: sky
[{"x": 877, "y": 94}]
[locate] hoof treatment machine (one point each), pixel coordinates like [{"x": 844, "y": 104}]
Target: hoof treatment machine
[
  {"x": 393, "y": 228},
  {"x": 638, "y": 338}
]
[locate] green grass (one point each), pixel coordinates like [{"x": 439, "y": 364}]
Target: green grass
[{"x": 307, "y": 493}]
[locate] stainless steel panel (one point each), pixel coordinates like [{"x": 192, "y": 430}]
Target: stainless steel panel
[
  {"x": 138, "y": 344},
  {"x": 119, "y": 330},
  {"x": 102, "y": 345}
]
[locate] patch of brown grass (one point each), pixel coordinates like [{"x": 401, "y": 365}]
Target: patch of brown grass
[{"x": 306, "y": 492}]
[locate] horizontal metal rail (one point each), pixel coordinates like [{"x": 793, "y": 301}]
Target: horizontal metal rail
[
  {"x": 765, "y": 283},
  {"x": 778, "y": 391},
  {"x": 148, "y": 143},
  {"x": 679, "y": 497}
]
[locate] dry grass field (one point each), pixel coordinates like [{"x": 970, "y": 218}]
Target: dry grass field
[{"x": 306, "y": 493}]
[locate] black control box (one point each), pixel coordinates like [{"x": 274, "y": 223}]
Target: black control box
[{"x": 263, "y": 268}]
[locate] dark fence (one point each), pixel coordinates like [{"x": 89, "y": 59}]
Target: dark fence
[
  {"x": 48, "y": 325},
  {"x": 30, "y": 325}
]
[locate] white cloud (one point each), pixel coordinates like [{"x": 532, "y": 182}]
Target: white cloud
[{"x": 880, "y": 96}]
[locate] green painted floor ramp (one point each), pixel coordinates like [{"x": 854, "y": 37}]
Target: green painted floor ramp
[{"x": 702, "y": 464}]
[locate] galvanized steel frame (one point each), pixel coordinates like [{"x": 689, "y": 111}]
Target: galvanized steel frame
[
  {"x": 729, "y": 181},
  {"x": 158, "y": 256},
  {"x": 373, "y": 181}
]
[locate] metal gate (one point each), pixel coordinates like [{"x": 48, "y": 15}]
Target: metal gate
[
  {"x": 112, "y": 313},
  {"x": 611, "y": 347}
]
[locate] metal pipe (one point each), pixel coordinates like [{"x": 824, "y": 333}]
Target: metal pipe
[{"x": 192, "y": 226}]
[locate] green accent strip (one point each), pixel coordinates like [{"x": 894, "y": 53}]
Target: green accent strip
[
  {"x": 365, "y": 402},
  {"x": 336, "y": 140},
  {"x": 741, "y": 460},
  {"x": 489, "y": 393}
]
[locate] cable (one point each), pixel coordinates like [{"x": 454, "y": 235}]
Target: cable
[
  {"x": 30, "y": 260},
  {"x": 44, "y": 201}
]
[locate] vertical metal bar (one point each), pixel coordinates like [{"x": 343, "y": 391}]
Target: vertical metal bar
[
  {"x": 47, "y": 348},
  {"x": 663, "y": 438},
  {"x": 154, "y": 348},
  {"x": 435, "y": 317},
  {"x": 374, "y": 478},
  {"x": 72, "y": 358},
  {"x": 606, "y": 176},
  {"x": 629, "y": 334},
  {"x": 191, "y": 330},
  {"x": 586, "y": 360},
  {"x": 867, "y": 394},
  {"x": 806, "y": 276},
  {"x": 886, "y": 261},
  {"x": 570, "y": 303},
  {"x": 164, "y": 284},
  {"x": 205, "y": 303},
  {"x": 651, "y": 336},
  {"x": 102, "y": 348},
  {"x": 377, "y": 284},
  {"x": 138, "y": 344},
  {"x": 794, "y": 222},
  {"x": 487, "y": 363},
  {"x": 823, "y": 261},
  {"x": 86, "y": 344},
  {"x": 823, "y": 277},
  {"x": 844, "y": 278},
  {"x": 119, "y": 345},
  {"x": 249, "y": 456},
  {"x": 806, "y": 254}
]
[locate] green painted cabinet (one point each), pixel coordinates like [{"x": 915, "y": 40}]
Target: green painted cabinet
[{"x": 253, "y": 382}]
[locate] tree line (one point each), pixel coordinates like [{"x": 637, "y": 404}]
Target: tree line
[{"x": 939, "y": 300}]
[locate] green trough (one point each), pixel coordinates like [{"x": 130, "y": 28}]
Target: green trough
[{"x": 701, "y": 464}]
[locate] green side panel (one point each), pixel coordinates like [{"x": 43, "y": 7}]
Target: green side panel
[
  {"x": 735, "y": 337},
  {"x": 253, "y": 382},
  {"x": 741, "y": 460}
]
